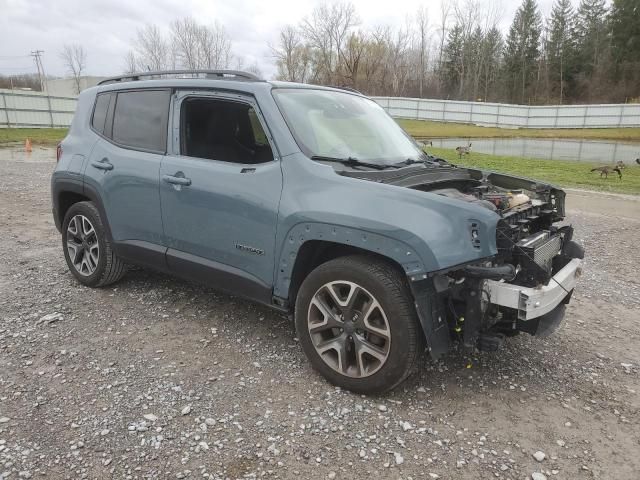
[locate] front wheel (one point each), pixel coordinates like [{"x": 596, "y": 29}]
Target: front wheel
[{"x": 357, "y": 324}]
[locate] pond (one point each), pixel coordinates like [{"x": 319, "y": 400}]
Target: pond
[{"x": 593, "y": 151}]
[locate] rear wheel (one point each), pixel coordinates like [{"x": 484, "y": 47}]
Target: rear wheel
[
  {"x": 87, "y": 249},
  {"x": 357, "y": 324}
]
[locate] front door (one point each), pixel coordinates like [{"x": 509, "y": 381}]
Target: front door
[{"x": 219, "y": 195}]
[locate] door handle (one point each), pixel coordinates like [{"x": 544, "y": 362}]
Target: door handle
[
  {"x": 102, "y": 164},
  {"x": 176, "y": 180}
]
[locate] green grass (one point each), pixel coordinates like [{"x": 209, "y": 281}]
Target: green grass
[
  {"x": 560, "y": 172},
  {"x": 424, "y": 129},
  {"x": 38, "y": 136}
]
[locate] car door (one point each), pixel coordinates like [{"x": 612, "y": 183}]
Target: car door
[
  {"x": 220, "y": 190},
  {"x": 124, "y": 167}
]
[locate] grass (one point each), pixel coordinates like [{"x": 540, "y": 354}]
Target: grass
[
  {"x": 38, "y": 136},
  {"x": 562, "y": 173},
  {"x": 559, "y": 172},
  {"x": 426, "y": 129}
]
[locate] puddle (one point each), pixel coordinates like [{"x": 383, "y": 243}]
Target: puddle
[
  {"x": 549, "y": 149},
  {"x": 18, "y": 154}
]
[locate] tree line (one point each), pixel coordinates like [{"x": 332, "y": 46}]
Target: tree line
[
  {"x": 188, "y": 45},
  {"x": 586, "y": 53},
  {"x": 583, "y": 53}
]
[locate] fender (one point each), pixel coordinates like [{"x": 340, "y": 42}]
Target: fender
[
  {"x": 300, "y": 233},
  {"x": 93, "y": 195},
  {"x": 59, "y": 185},
  {"x": 428, "y": 306}
]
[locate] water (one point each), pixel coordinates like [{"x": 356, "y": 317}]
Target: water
[
  {"x": 593, "y": 151},
  {"x": 18, "y": 154}
]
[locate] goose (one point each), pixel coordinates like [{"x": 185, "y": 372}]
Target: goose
[{"x": 463, "y": 150}]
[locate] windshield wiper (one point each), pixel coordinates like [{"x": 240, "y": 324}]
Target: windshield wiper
[
  {"x": 352, "y": 162},
  {"x": 425, "y": 161}
]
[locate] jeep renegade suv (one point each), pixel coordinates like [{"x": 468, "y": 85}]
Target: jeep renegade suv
[{"x": 311, "y": 200}]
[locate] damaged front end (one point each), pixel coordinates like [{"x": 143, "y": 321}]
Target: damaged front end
[{"x": 523, "y": 288}]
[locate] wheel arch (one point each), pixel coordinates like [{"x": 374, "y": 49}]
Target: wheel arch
[
  {"x": 68, "y": 192},
  {"x": 308, "y": 245}
]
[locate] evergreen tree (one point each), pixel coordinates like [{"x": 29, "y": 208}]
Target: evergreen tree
[
  {"x": 625, "y": 30},
  {"x": 492, "y": 46},
  {"x": 561, "y": 48},
  {"x": 591, "y": 34},
  {"x": 453, "y": 65},
  {"x": 522, "y": 51}
]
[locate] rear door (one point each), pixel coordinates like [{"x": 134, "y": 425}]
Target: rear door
[
  {"x": 220, "y": 191},
  {"x": 124, "y": 166}
]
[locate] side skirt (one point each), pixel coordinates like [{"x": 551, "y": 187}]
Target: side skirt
[{"x": 219, "y": 276}]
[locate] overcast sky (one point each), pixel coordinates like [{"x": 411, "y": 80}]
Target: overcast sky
[{"x": 107, "y": 28}]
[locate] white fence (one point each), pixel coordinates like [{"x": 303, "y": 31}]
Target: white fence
[
  {"x": 34, "y": 109},
  {"x": 513, "y": 116}
]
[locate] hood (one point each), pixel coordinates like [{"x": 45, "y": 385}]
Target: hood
[{"x": 495, "y": 191}]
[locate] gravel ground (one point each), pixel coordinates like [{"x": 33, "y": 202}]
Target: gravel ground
[{"x": 158, "y": 378}]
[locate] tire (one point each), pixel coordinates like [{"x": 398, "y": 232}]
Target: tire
[
  {"x": 331, "y": 283},
  {"x": 108, "y": 268}
]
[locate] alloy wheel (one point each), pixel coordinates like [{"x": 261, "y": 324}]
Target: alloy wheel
[
  {"x": 82, "y": 245},
  {"x": 349, "y": 329}
]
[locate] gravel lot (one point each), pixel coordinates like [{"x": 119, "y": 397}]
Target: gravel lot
[{"x": 158, "y": 378}]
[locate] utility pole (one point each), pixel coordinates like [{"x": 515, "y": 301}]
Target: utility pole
[{"x": 37, "y": 54}]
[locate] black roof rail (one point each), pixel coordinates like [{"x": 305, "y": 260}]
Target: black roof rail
[{"x": 217, "y": 74}]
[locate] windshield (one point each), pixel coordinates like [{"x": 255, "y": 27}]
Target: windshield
[{"x": 341, "y": 125}]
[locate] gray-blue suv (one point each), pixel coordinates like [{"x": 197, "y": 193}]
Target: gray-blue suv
[{"x": 313, "y": 201}]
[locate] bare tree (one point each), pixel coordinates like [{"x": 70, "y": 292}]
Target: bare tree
[
  {"x": 350, "y": 57},
  {"x": 214, "y": 46},
  {"x": 152, "y": 49},
  {"x": 326, "y": 32},
  {"x": 443, "y": 27},
  {"x": 185, "y": 40},
  {"x": 75, "y": 59},
  {"x": 130, "y": 62},
  {"x": 197, "y": 46},
  {"x": 422, "y": 24},
  {"x": 292, "y": 56}
]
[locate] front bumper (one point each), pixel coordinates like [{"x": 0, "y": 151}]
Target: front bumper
[{"x": 530, "y": 302}]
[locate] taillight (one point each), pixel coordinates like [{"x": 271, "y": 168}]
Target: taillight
[{"x": 58, "y": 152}]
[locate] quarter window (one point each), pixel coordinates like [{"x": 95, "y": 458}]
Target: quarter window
[
  {"x": 140, "y": 120},
  {"x": 100, "y": 112}
]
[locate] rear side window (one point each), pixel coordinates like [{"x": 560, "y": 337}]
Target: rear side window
[
  {"x": 100, "y": 112},
  {"x": 140, "y": 120}
]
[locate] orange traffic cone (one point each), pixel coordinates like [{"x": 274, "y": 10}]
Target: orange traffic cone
[{"x": 27, "y": 145}]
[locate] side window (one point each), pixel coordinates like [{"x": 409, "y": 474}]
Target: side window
[
  {"x": 100, "y": 112},
  {"x": 140, "y": 119},
  {"x": 222, "y": 130},
  {"x": 256, "y": 126}
]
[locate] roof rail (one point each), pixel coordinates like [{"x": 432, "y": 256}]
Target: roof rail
[{"x": 218, "y": 74}]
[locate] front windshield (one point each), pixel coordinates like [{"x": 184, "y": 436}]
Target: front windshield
[{"x": 334, "y": 124}]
